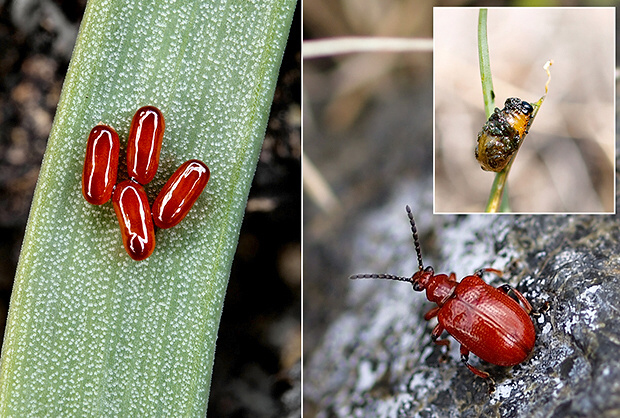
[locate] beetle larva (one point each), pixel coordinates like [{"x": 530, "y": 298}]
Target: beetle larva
[{"x": 501, "y": 135}]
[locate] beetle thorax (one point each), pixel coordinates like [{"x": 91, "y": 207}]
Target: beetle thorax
[{"x": 440, "y": 288}]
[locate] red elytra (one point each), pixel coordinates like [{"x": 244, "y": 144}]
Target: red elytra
[
  {"x": 180, "y": 193},
  {"x": 144, "y": 143},
  {"x": 134, "y": 217},
  {"x": 100, "y": 164},
  {"x": 483, "y": 319}
]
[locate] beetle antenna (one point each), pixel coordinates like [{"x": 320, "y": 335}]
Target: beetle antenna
[
  {"x": 380, "y": 276},
  {"x": 416, "y": 240}
]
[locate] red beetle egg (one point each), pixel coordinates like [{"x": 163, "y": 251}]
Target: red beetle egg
[
  {"x": 180, "y": 193},
  {"x": 144, "y": 144},
  {"x": 134, "y": 217},
  {"x": 100, "y": 164}
]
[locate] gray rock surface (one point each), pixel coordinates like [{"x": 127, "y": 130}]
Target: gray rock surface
[{"x": 376, "y": 357}]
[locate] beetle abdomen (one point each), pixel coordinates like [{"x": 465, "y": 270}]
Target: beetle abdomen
[{"x": 488, "y": 323}]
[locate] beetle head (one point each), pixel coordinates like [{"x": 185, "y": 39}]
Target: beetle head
[
  {"x": 421, "y": 278},
  {"x": 514, "y": 104}
]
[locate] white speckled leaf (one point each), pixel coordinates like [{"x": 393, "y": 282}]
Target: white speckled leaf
[{"x": 90, "y": 331}]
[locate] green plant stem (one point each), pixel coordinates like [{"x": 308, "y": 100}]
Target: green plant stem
[
  {"x": 499, "y": 187},
  {"x": 485, "y": 64}
]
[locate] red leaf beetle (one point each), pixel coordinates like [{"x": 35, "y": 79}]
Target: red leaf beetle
[{"x": 483, "y": 319}]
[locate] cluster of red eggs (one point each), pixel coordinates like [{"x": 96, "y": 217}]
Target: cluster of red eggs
[{"x": 135, "y": 216}]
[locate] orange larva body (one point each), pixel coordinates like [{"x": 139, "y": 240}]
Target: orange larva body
[
  {"x": 502, "y": 134},
  {"x": 134, "y": 217},
  {"x": 180, "y": 193},
  {"x": 144, "y": 144},
  {"x": 100, "y": 164}
]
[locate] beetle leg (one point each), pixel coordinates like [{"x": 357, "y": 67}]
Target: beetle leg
[
  {"x": 465, "y": 359},
  {"x": 437, "y": 333},
  {"x": 432, "y": 313},
  {"x": 506, "y": 288},
  {"x": 545, "y": 308},
  {"x": 477, "y": 372},
  {"x": 490, "y": 270}
]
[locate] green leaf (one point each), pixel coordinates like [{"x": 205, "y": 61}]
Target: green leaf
[{"x": 90, "y": 331}]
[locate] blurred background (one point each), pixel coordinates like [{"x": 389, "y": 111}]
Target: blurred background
[
  {"x": 257, "y": 371},
  {"x": 566, "y": 163},
  {"x": 367, "y": 141}
]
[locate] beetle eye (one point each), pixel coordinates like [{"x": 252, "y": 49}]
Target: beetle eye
[{"x": 527, "y": 108}]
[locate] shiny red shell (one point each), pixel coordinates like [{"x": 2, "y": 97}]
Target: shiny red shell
[
  {"x": 144, "y": 143},
  {"x": 180, "y": 193},
  {"x": 134, "y": 217},
  {"x": 100, "y": 164},
  {"x": 488, "y": 322},
  {"x": 485, "y": 320}
]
